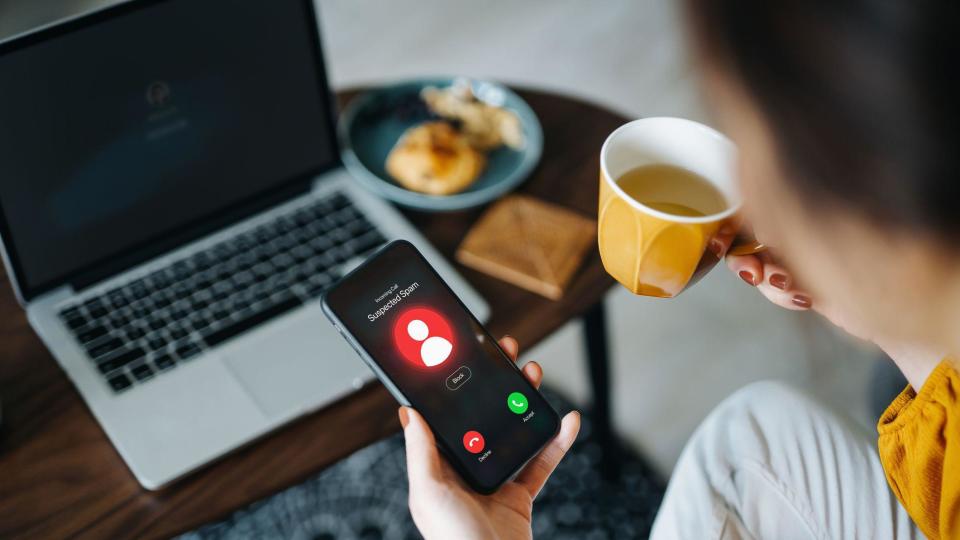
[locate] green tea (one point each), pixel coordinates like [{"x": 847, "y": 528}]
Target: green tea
[{"x": 673, "y": 190}]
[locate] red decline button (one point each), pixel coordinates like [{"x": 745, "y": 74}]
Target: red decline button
[{"x": 473, "y": 442}]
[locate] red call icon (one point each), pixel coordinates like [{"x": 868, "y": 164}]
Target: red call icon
[
  {"x": 473, "y": 442},
  {"x": 423, "y": 337}
]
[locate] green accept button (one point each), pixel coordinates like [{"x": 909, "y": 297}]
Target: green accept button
[{"x": 517, "y": 402}]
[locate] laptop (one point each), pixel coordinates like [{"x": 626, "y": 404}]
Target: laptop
[{"x": 172, "y": 205}]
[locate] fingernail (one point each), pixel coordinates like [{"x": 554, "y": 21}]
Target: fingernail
[
  {"x": 802, "y": 300},
  {"x": 779, "y": 281},
  {"x": 748, "y": 277},
  {"x": 404, "y": 417}
]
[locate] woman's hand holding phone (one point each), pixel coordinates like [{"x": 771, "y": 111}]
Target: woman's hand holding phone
[{"x": 444, "y": 507}]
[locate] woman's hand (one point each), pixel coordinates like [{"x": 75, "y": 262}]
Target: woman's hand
[
  {"x": 443, "y": 507},
  {"x": 771, "y": 279},
  {"x": 775, "y": 282}
]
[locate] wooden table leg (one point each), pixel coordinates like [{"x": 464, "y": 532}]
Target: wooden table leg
[{"x": 598, "y": 361}]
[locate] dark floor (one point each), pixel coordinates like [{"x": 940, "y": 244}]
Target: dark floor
[{"x": 365, "y": 497}]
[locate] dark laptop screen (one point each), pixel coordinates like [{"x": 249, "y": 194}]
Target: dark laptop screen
[{"x": 151, "y": 118}]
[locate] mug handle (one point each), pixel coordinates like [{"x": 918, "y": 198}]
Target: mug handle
[{"x": 745, "y": 243}]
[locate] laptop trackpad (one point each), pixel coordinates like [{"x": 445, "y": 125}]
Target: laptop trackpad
[{"x": 294, "y": 363}]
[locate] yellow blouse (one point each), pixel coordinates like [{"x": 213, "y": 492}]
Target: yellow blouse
[{"x": 920, "y": 451}]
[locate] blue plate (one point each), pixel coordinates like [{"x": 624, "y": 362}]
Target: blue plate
[{"x": 372, "y": 124}]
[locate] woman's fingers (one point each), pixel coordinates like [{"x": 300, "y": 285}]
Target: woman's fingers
[
  {"x": 720, "y": 244},
  {"x": 532, "y": 371},
  {"x": 748, "y": 267},
  {"x": 535, "y": 474},
  {"x": 510, "y": 346},
  {"x": 423, "y": 458},
  {"x": 778, "y": 287},
  {"x": 771, "y": 279}
]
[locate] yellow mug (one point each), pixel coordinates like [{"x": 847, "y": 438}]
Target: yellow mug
[{"x": 654, "y": 253}]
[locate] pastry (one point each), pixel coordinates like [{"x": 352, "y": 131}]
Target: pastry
[
  {"x": 486, "y": 126},
  {"x": 434, "y": 158}
]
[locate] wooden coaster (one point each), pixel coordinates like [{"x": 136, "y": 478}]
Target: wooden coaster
[{"x": 533, "y": 244}]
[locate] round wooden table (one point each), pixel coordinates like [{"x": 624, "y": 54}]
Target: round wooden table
[{"x": 60, "y": 476}]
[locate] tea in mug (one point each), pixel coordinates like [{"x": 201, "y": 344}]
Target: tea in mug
[{"x": 673, "y": 190}]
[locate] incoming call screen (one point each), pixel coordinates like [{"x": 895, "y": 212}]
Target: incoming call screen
[{"x": 488, "y": 417}]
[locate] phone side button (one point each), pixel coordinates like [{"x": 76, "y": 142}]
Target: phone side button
[{"x": 458, "y": 378}]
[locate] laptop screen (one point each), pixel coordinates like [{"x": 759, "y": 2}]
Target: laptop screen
[{"x": 124, "y": 126}]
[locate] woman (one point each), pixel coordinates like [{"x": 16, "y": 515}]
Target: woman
[{"x": 844, "y": 113}]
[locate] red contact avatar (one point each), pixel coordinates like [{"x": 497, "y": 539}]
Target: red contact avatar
[{"x": 423, "y": 337}]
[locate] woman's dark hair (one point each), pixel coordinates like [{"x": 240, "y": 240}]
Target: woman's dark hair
[{"x": 862, "y": 97}]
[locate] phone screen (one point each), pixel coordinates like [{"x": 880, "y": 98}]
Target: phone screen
[{"x": 486, "y": 416}]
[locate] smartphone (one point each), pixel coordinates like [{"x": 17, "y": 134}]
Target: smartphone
[{"x": 434, "y": 356}]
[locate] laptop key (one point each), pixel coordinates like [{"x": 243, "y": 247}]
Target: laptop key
[
  {"x": 91, "y": 333},
  {"x": 181, "y": 290},
  {"x": 156, "y": 323},
  {"x": 250, "y": 319},
  {"x": 134, "y": 333},
  {"x": 179, "y": 311},
  {"x": 366, "y": 242},
  {"x": 187, "y": 350},
  {"x": 156, "y": 343},
  {"x": 340, "y": 235},
  {"x": 301, "y": 253},
  {"x": 199, "y": 322},
  {"x": 318, "y": 283},
  {"x": 314, "y": 290},
  {"x": 178, "y": 332},
  {"x": 69, "y": 312},
  {"x": 119, "y": 360},
  {"x": 138, "y": 290},
  {"x": 283, "y": 261},
  {"x": 76, "y": 321},
  {"x": 181, "y": 270},
  {"x": 245, "y": 260},
  {"x": 119, "y": 320},
  {"x": 159, "y": 279},
  {"x": 243, "y": 278},
  {"x": 140, "y": 310},
  {"x": 119, "y": 382},
  {"x": 118, "y": 300},
  {"x": 164, "y": 362},
  {"x": 142, "y": 372},
  {"x": 338, "y": 201},
  {"x": 101, "y": 349},
  {"x": 262, "y": 271},
  {"x": 340, "y": 255},
  {"x": 220, "y": 295},
  {"x": 359, "y": 226}
]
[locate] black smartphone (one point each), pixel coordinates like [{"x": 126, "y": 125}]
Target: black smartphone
[{"x": 433, "y": 355}]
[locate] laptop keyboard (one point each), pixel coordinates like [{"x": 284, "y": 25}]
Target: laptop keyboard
[{"x": 137, "y": 331}]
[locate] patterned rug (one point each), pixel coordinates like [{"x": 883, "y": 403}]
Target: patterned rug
[{"x": 365, "y": 497}]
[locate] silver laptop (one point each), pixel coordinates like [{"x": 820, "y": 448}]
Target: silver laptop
[{"x": 171, "y": 207}]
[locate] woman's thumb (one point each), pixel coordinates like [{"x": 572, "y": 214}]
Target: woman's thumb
[{"x": 423, "y": 458}]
